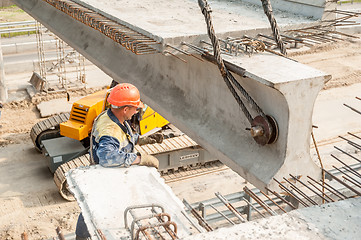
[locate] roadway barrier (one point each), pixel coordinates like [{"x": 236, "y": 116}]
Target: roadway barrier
[{"x": 17, "y": 27}]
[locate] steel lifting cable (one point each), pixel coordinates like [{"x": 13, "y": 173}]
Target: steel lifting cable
[
  {"x": 227, "y": 76},
  {"x": 229, "y": 79},
  {"x": 267, "y": 8}
]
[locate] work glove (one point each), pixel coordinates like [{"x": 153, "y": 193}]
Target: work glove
[
  {"x": 151, "y": 139},
  {"x": 146, "y": 140},
  {"x": 149, "y": 161},
  {"x": 158, "y": 137}
]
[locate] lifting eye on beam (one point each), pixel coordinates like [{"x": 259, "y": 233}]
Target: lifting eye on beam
[{"x": 264, "y": 131}]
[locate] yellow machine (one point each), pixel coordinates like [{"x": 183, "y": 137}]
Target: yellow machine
[
  {"x": 64, "y": 137},
  {"x": 85, "y": 110},
  {"x": 82, "y": 115}
]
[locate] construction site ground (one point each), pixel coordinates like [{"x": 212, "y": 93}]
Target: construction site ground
[{"x": 29, "y": 199}]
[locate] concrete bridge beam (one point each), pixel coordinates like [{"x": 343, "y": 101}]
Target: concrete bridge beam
[{"x": 193, "y": 96}]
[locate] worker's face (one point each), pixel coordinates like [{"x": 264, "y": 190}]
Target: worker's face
[{"x": 130, "y": 111}]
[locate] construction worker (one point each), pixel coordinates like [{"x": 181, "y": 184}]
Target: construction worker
[{"x": 113, "y": 140}]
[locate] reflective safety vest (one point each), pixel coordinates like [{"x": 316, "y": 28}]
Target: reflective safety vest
[{"x": 113, "y": 142}]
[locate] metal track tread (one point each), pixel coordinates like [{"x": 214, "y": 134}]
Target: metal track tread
[
  {"x": 84, "y": 160},
  {"x": 190, "y": 172},
  {"x": 168, "y": 145},
  {"x": 47, "y": 124},
  {"x": 59, "y": 175}
]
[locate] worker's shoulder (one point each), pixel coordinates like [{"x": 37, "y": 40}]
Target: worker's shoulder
[
  {"x": 106, "y": 127},
  {"x": 104, "y": 122}
]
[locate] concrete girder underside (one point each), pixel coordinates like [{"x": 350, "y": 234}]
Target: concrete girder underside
[{"x": 193, "y": 96}]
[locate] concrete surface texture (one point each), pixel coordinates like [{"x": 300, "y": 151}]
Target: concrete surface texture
[
  {"x": 339, "y": 220},
  {"x": 104, "y": 194},
  {"x": 310, "y": 8},
  {"x": 177, "y": 19},
  {"x": 193, "y": 96},
  {"x": 55, "y": 106}
]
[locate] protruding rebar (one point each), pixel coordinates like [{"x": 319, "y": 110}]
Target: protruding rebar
[
  {"x": 250, "y": 204},
  {"x": 355, "y": 158},
  {"x": 351, "y": 181},
  {"x": 355, "y": 182},
  {"x": 330, "y": 188},
  {"x": 196, "y": 48},
  {"x": 352, "y": 143},
  {"x": 321, "y": 190},
  {"x": 230, "y": 206},
  {"x": 299, "y": 191},
  {"x": 101, "y": 234},
  {"x": 273, "y": 201},
  {"x": 353, "y": 109},
  {"x": 282, "y": 199},
  {"x": 319, "y": 159},
  {"x": 322, "y": 197},
  {"x": 263, "y": 204},
  {"x": 184, "y": 52},
  {"x": 344, "y": 184},
  {"x": 347, "y": 167},
  {"x": 172, "y": 234},
  {"x": 200, "y": 219},
  {"x": 132, "y": 40},
  {"x": 354, "y": 135},
  {"x": 167, "y": 52},
  {"x": 222, "y": 214},
  {"x": 291, "y": 193},
  {"x": 192, "y": 222}
]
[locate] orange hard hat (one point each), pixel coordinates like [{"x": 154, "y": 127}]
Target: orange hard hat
[{"x": 125, "y": 94}]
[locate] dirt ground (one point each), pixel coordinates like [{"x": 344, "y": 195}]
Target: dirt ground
[
  {"x": 341, "y": 60},
  {"x": 29, "y": 200},
  {"x": 13, "y": 14}
]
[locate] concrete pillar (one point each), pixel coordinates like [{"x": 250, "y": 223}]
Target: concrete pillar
[{"x": 3, "y": 89}]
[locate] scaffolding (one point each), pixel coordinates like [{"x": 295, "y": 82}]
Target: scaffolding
[{"x": 66, "y": 72}]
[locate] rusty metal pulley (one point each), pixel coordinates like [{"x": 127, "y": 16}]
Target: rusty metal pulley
[{"x": 264, "y": 131}]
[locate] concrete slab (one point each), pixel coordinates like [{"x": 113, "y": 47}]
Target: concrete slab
[
  {"x": 104, "y": 194},
  {"x": 339, "y": 220},
  {"x": 55, "y": 106},
  {"x": 183, "y": 19}
]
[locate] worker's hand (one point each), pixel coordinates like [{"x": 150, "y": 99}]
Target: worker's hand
[
  {"x": 146, "y": 140},
  {"x": 151, "y": 139},
  {"x": 149, "y": 161},
  {"x": 158, "y": 137}
]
